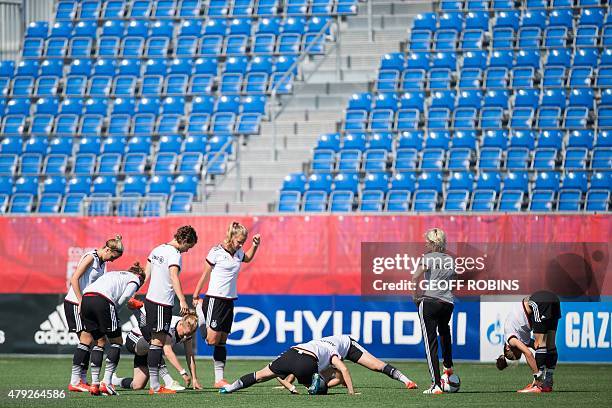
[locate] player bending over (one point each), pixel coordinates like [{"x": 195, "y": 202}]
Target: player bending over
[
  {"x": 351, "y": 350},
  {"x": 99, "y": 307},
  {"x": 216, "y": 310},
  {"x": 137, "y": 343},
  {"x": 302, "y": 361},
  {"x": 91, "y": 266},
  {"x": 539, "y": 313}
]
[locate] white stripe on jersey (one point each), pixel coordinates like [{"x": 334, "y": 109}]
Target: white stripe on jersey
[
  {"x": 90, "y": 275},
  {"x": 113, "y": 317},
  {"x": 224, "y": 275},
  {"x": 77, "y": 318}
]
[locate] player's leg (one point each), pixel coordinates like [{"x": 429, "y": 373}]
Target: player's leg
[
  {"x": 546, "y": 312},
  {"x": 551, "y": 346},
  {"x": 219, "y": 318},
  {"x": 444, "y": 332},
  {"x": 358, "y": 354},
  {"x": 428, "y": 310},
  {"x": 112, "y": 361},
  {"x": 265, "y": 374},
  {"x": 158, "y": 322},
  {"x": 79, "y": 359}
]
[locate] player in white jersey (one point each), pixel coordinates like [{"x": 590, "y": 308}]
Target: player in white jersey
[
  {"x": 539, "y": 314},
  {"x": 99, "y": 307},
  {"x": 182, "y": 330},
  {"x": 353, "y": 351},
  {"x": 90, "y": 267},
  {"x": 304, "y": 361},
  {"x": 216, "y": 310},
  {"x": 163, "y": 268}
]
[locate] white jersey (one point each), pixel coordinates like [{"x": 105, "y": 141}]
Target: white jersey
[
  {"x": 517, "y": 325},
  {"x": 91, "y": 274},
  {"x": 112, "y": 285},
  {"x": 326, "y": 348},
  {"x": 224, "y": 275},
  {"x": 160, "y": 285}
]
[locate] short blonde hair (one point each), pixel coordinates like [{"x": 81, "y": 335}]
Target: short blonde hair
[
  {"x": 190, "y": 322},
  {"x": 235, "y": 229},
  {"x": 435, "y": 239}
]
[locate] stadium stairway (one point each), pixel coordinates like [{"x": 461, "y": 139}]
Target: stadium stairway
[{"x": 316, "y": 107}]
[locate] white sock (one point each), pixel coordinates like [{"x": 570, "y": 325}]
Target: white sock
[
  {"x": 117, "y": 381},
  {"x": 219, "y": 370},
  {"x": 75, "y": 377},
  {"x": 84, "y": 374},
  {"x": 165, "y": 375}
]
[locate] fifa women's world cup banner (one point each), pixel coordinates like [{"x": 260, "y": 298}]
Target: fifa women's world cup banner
[{"x": 352, "y": 274}]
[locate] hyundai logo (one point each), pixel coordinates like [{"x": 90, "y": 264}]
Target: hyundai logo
[{"x": 254, "y": 327}]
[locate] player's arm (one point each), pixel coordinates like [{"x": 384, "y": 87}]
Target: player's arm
[
  {"x": 128, "y": 292},
  {"x": 74, "y": 279},
  {"x": 201, "y": 281},
  {"x": 287, "y": 384},
  {"x": 178, "y": 289},
  {"x": 514, "y": 342},
  {"x": 192, "y": 364},
  {"x": 147, "y": 272},
  {"x": 346, "y": 375},
  {"x": 248, "y": 255},
  {"x": 169, "y": 353}
]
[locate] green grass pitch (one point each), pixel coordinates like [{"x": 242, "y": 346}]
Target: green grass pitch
[{"x": 482, "y": 385}]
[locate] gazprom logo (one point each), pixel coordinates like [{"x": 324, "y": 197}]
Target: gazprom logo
[
  {"x": 495, "y": 333},
  {"x": 250, "y": 324}
]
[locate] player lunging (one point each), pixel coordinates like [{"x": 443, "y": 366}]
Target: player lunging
[
  {"x": 163, "y": 268},
  {"x": 350, "y": 350},
  {"x": 90, "y": 267},
  {"x": 216, "y": 310},
  {"x": 99, "y": 307},
  {"x": 539, "y": 313},
  {"x": 303, "y": 361}
]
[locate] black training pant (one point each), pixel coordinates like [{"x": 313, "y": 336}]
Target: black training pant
[{"x": 435, "y": 316}]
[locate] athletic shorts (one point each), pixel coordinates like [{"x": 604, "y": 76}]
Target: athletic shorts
[
  {"x": 73, "y": 318},
  {"x": 140, "y": 361},
  {"x": 158, "y": 317},
  {"x": 99, "y": 317},
  {"x": 218, "y": 313},
  {"x": 546, "y": 310},
  {"x": 355, "y": 351},
  {"x": 295, "y": 362}
]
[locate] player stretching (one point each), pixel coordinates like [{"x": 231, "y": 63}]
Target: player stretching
[
  {"x": 303, "y": 361},
  {"x": 163, "y": 268},
  {"x": 137, "y": 343},
  {"x": 90, "y": 267},
  {"x": 216, "y": 310},
  {"x": 350, "y": 350},
  {"x": 99, "y": 307},
  {"x": 539, "y": 313},
  {"x": 436, "y": 306}
]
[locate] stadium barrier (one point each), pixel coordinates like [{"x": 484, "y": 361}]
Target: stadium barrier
[{"x": 304, "y": 282}]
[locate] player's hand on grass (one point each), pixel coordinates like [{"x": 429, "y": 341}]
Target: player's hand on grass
[
  {"x": 187, "y": 380},
  {"x": 256, "y": 240},
  {"x": 196, "y": 384}
]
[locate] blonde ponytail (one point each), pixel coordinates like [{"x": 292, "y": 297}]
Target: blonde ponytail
[
  {"x": 235, "y": 229},
  {"x": 436, "y": 239},
  {"x": 115, "y": 244}
]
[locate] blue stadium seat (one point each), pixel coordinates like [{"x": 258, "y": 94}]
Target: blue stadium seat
[
  {"x": 483, "y": 200},
  {"x": 413, "y": 80},
  {"x": 297, "y": 182},
  {"x": 8, "y": 164},
  {"x": 544, "y": 158},
  {"x": 420, "y": 40},
  {"x": 581, "y": 77},
  {"x": 418, "y": 60},
  {"x": 89, "y": 144},
  {"x": 21, "y": 203},
  {"x": 371, "y": 201},
  {"x": 597, "y": 200},
  {"x": 398, "y": 200},
  {"x": 575, "y": 158},
  {"x": 440, "y": 78},
  {"x": 54, "y": 184},
  {"x": 457, "y": 200},
  {"x": 431, "y": 180},
  {"x": 18, "y": 107},
  {"x": 554, "y": 77},
  {"x": 425, "y": 200},
  {"x": 315, "y": 201},
  {"x": 165, "y": 163},
  {"x": 461, "y": 180},
  {"x": 341, "y": 201}
]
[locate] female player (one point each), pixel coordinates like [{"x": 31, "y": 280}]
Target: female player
[
  {"x": 99, "y": 307},
  {"x": 90, "y": 267},
  {"x": 304, "y": 362},
  {"x": 163, "y": 267},
  {"x": 356, "y": 353},
  {"x": 436, "y": 306},
  {"x": 539, "y": 313},
  {"x": 216, "y": 310},
  {"x": 137, "y": 343}
]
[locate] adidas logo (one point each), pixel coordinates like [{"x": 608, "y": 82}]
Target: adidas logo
[{"x": 54, "y": 330}]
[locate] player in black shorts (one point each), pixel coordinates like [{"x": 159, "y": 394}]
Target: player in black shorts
[
  {"x": 304, "y": 361},
  {"x": 544, "y": 311},
  {"x": 358, "y": 355}
]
